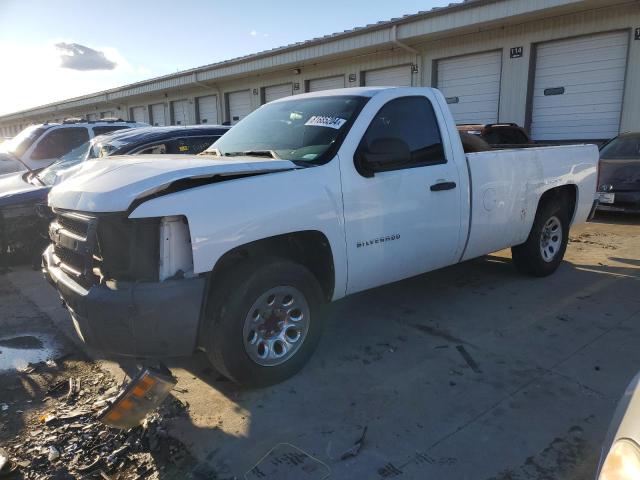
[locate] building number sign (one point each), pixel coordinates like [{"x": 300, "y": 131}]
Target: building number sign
[{"x": 517, "y": 52}]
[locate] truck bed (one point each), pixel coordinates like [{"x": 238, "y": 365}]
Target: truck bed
[{"x": 506, "y": 186}]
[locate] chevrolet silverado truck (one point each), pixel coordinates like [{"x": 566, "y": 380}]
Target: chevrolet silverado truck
[{"x": 310, "y": 198}]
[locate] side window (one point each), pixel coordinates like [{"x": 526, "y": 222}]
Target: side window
[
  {"x": 406, "y": 128},
  {"x": 191, "y": 145},
  {"x": 106, "y": 129},
  {"x": 159, "y": 148},
  {"x": 59, "y": 142}
]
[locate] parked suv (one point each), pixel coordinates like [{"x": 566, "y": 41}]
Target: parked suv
[{"x": 38, "y": 146}]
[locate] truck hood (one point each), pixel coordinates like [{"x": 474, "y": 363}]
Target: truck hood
[{"x": 112, "y": 184}]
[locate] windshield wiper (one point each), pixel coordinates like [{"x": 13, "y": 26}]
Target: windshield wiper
[{"x": 253, "y": 153}]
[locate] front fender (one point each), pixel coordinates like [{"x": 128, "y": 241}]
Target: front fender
[{"x": 235, "y": 212}]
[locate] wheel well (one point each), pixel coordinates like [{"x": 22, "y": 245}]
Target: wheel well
[
  {"x": 566, "y": 195},
  {"x": 309, "y": 248}
]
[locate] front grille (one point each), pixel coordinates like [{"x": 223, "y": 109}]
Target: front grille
[
  {"x": 72, "y": 261},
  {"x": 73, "y": 224},
  {"x": 74, "y": 243},
  {"x": 111, "y": 247}
]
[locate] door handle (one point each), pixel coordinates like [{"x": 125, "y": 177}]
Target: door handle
[{"x": 439, "y": 187}]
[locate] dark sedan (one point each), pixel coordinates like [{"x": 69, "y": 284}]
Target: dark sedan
[
  {"x": 24, "y": 194},
  {"x": 619, "y": 174}
]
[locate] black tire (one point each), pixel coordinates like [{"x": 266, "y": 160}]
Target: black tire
[
  {"x": 528, "y": 257},
  {"x": 229, "y": 305}
]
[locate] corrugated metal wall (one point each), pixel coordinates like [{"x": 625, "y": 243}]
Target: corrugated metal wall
[{"x": 321, "y": 60}]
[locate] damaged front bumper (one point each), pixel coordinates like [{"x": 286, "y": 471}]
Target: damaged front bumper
[{"x": 138, "y": 319}]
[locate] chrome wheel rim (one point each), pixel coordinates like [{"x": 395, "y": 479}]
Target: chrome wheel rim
[
  {"x": 276, "y": 325},
  {"x": 551, "y": 239}
]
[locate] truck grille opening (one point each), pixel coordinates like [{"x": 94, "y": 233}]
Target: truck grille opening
[
  {"x": 105, "y": 246},
  {"x": 74, "y": 245},
  {"x": 69, "y": 261},
  {"x": 73, "y": 224}
]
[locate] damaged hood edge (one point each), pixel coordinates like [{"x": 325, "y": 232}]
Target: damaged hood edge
[{"x": 114, "y": 184}]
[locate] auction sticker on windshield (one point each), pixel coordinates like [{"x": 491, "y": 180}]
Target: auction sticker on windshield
[{"x": 321, "y": 121}]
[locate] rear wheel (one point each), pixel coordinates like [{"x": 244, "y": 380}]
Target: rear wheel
[
  {"x": 264, "y": 321},
  {"x": 544, "y": 249}
]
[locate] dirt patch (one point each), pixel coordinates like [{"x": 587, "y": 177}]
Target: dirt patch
[{"x": 559, "y": 459}]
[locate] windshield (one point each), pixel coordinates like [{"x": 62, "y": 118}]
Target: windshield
[
  {"x": 74, "y": 157},
  {"x": 21, "y": 142},
  {"x": 298, "y": 130},
  {"x": 622, "y": 148},
  {"x": 9, "y": 164}
]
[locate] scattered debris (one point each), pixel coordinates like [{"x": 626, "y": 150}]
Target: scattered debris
[
  {"x": 7, "y": 467},
  {"x": 54, "y": 454},
  {"x": 74, "y": 388},
  {"x": 4, "y": 407},
  {"x": 468, "y": 358},
  {"x": 65, "y": 438},
  {"x": 144, "y": 393},
  {"x": 355, "y": 450}
]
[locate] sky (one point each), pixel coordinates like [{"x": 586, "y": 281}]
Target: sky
[{"x": 54, "y": 50}]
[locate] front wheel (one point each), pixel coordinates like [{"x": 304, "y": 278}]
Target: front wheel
[
  {"x": 544, "y": 249},
  {"x": 264, "y": 321}
]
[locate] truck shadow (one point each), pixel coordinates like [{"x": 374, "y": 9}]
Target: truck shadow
[{"x": 388, "y": 353}]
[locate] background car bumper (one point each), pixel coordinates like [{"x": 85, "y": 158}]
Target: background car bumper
[
  {"x": 146, "y": 320},
  {"x": 624, "y": 202}
]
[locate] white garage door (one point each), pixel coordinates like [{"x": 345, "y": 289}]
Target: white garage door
[
  {"x": 326, "y": 83},
  {"x": 139, "y": 114},
  {"x": 471, "y": 85},
  {"x": 157, "y": 115},
  {"x": 107, "y": 114},
  {"x": 389, "y": 77},
  {"x": 239, "y": 105},
  {"x": 578, "y": 89},
  {"x": 92, "y": 116},
  {"x": 208, "y": 110},
  {"x": 180, "y": 109},
  {"x": 277, "y": 91}
]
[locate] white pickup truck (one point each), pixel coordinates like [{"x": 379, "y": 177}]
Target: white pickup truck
[{"x": 308, "y": 199}]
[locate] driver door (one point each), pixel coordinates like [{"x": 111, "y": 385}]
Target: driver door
[{"x": 401, "y": 218}]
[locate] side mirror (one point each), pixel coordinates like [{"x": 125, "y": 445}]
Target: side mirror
[{"x": 383, "y": 154}]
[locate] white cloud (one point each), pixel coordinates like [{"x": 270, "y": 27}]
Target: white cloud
[
  {"x": 255, "y": 33},
  {"x": 80, "y": 57},
  {"x": 33, "y": 75}
]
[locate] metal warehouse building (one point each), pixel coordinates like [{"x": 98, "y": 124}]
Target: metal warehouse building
[{"x": 565, "y": 69}]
